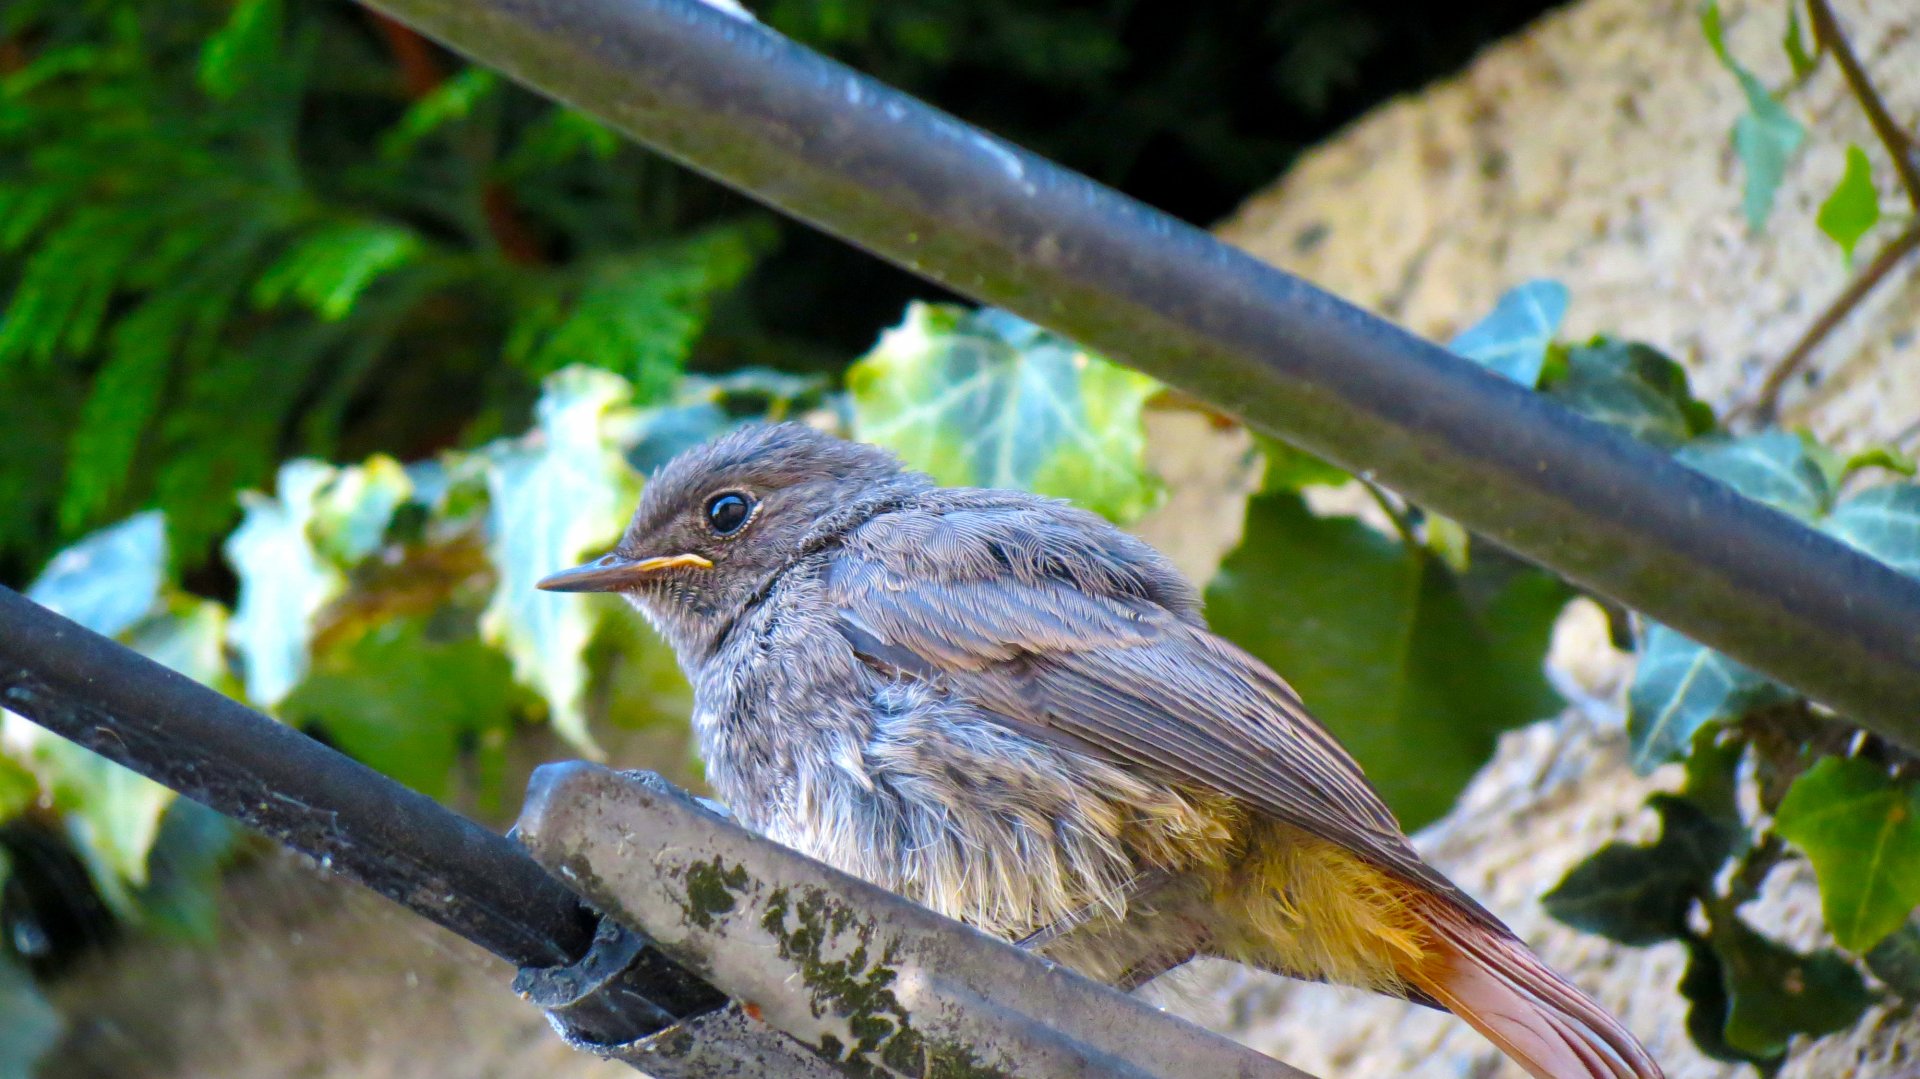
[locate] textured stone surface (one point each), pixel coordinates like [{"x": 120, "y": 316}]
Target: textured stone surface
[{"x": 1593, "y": 148}]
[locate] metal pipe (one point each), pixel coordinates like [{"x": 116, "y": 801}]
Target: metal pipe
[
  {"x": 979, "y": 215},
  {"x": 875, "y": 983},
  {"x": 353, "y": 820}
]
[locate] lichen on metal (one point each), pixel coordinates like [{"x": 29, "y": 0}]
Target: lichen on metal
[{"x": 859, "y": 978}]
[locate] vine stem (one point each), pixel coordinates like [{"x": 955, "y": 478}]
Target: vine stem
[
  {"x": 1900, "y": 145},
  {"x": 1766, "y": 404}
]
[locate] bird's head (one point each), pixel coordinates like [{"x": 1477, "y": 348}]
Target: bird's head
[{"x": 721, "y": 520}]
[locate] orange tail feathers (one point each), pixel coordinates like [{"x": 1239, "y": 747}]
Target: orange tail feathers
[{"x": 1494, "y": 982}]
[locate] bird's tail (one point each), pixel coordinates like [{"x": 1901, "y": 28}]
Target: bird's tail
[{"x": 1494, "y": 981}]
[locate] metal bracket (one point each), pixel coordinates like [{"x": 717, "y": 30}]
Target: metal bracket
[{"x": 830, "y": 975}]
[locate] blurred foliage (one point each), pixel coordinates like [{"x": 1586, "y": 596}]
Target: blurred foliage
[{"x": 243, "y": 241}]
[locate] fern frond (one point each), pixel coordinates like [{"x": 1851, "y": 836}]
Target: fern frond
[
  {"x": 450, "y": 102},
  {"x": 329, "y": 268},
  {"x": 637, "y": 315},
  {"x": 240, "y": 51}
]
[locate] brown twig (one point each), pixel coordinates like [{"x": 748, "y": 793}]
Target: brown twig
[
  {"x": 1900, "y": 144},
  {"x": 1766, "y": 404},
  {"x": 421, "y": 75}
]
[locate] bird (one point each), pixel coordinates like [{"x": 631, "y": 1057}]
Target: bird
[{"x": 1013, "y": 712}]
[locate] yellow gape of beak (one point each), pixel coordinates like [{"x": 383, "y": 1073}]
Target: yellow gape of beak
[{"x": 614, "y": 573}]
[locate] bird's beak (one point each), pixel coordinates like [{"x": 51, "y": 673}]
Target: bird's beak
[{"x": 615, "y": 574}]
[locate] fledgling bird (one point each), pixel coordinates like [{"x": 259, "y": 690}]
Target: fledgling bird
[{"x": 1012, "y": 712}]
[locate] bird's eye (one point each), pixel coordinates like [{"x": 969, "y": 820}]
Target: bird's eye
[{"x": 727, "y": 512}]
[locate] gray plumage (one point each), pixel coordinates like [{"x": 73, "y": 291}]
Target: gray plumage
[{"x": 1009, "y": 710}]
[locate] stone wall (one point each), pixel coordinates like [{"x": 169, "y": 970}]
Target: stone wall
[{"x": 1594, "y": 148}]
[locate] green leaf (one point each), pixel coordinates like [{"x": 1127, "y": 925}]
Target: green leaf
[
  {"x": 556, "y": 496},
  {"x": 181, "y": 897},
  {"x": 1631, "y": 387},
  {"x": 1413, "y": 668},
  {"x": 352, "y": 512},
  {"x": 1290, "y": 469},
  {"x": 1795, "y": 42},
  {"x": 29, "y": 1026},
  {"x": 1861, "y": 830},
  {"x": 1765, "y": 137},
  {"x": 1641, "y": 894},
  {"x": 406, "y": 703},
  {"x": 450, "y": 102},
  {"x": 1704, "y": 986},
  {"x": 1679, "y": 687},
  {"x": 984, "y": 399},
  {"x": 18, "y": 792},
  {"x": 1884, "y": 522},
  {"x": 1774, "y": 993},
  {"x": 1512, "y": 340},
  {"x": 1772, "y": 467},
  {"x": 331, "y": 267},
  {"x": 637, "y": 315},
  {"x": 109, "y": 580},
  {"x": 284, "y": 583},
  {"x": 1853, "y": 207},
  {"x": 1896, "y": 960},
  {"x": 239, "y": 51}
]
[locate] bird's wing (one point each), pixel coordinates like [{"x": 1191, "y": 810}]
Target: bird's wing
[{"x": 1121, "y": 678}]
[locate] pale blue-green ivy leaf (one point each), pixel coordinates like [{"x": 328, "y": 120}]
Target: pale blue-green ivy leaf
[
  {"x": 109, "y": 580},
  {"x": 284, "y": 583},
  {"x": 1773, "y": 467},
  {"x": 1765, "y": 137},
  {"x": 29, "y": 1025},
  {"x": 558, "y": 495},
  {"x": 1681, "y": 686},
  {"x": 1884, "y": 522},
  {"x": 985, "y": 399},
  {"x": 112, "y": 814},
  {"x": 1513, "y": 339},
  {"x": 351, "y": 513}
]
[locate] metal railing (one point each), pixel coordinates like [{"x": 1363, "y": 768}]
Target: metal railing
[{"x": 987, "y": 219}]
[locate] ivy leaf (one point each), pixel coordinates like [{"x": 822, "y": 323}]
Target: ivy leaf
[
  {"x": 984, "y": 399},
  {"x": 1772, "y": 467},
  {"x": 407, "y": 704},
  {"x": 1795, "y": 42},
  {"x": 29, "y": 1025},
  {"x": 1774, "y": 993},
  {"x": 1765, "y": 137},
  {"x": 1513, "y": 339},
  {"x": 1640, "y": 894},
  {"x": 352, "y": 512},
  {"x": 111, "y": 578},
  {"x": 1896, "y": 960},
  {"x": 555, "y": 496},
  {"x": 1884, "y": 522},
  {"x": 284, "y": 583},
  {"x": 1704, "y": 987},
  {"x": 1413, "y": 668},
  {"x": 18, "y": 792},
  {"x": 1290, "y": 469},
  {"x": 1631, "y": 387},
  {"x": 181, "y": 897},
  {"x": 1861, "y": 830},
  {"x": 1853, "y": 207},
  {"x": 1679, "y": 687}
]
